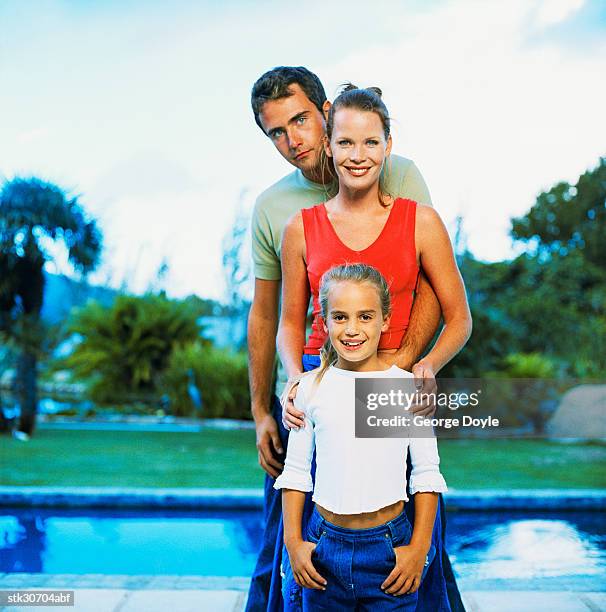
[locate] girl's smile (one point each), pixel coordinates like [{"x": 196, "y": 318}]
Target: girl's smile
[
  {"x": 355, "y": 323},
  {"x": 352, "y": 345}
]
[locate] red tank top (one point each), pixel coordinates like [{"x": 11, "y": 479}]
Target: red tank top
[{"x": 393, "y": 253}]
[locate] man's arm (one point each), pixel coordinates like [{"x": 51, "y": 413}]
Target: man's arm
[
  {"x": 422, "y": 326},
  {"x": 439, "y": 262},
  {"x": 425, "y": 314},
  {"x": 262, "y": 328}
]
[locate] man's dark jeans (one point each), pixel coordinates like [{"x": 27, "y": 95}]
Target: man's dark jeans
[{"x": 263, "y": 581}]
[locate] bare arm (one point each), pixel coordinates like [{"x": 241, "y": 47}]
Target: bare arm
[
  {"x": 262, "y": 325},
  {"x": 299, "y": 551},
  {"x": 295, "y": 297},
  {"x": 426, "y": 506},
  {"x": 438, "y": 262},
  {"x": 410, "y": 559},
  {"x": 294, "y": 482},
  {"x": 292, "y": 511},
  {"x": 422, "y": 326}
]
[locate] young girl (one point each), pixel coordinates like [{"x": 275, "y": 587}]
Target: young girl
[{"x": 359, "y": 549}]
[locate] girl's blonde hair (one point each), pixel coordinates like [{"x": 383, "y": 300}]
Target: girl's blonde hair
[{"x": 357, "y": 273}]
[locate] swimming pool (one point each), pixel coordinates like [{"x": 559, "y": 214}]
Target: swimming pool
[
  {"x": 129, "y": 542},
  {"x": 535, "y": 551},
  {"x": 489, "y": 550}
]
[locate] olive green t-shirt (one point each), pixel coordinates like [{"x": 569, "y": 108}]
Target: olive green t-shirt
[{"x": 273, "y": 208}]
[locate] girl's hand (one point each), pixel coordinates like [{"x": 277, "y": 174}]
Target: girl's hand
[
  {"x": 405, "y": 577},
  {"x": 425, "y": 384},
  {"x": 304, "y": 572},
  {"x": 291, "y": 417}
]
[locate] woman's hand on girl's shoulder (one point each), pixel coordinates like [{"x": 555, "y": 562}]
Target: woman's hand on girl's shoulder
[
  {"x": 304, "y": 572},
  {"x": 405, "y": 577}
]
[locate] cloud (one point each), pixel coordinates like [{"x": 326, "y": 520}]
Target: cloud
[
  {"x": 551, "y": 12},
  {"x": 145, "y": 174},
  {"x": 33, "y": 135},
  {"x": 490, "y": 119},
  {"x": 185, "y": 228},
  {"x": 492, "y": 102}
]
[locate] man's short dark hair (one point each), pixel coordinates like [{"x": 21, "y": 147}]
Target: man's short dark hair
[{"x": 274, "y": 85}]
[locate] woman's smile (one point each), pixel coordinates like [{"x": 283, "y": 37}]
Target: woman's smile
[{"x": 357, "y": 171}]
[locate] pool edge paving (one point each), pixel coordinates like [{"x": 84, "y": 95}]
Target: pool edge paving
[
  {"x": 201, "y": 599},
  {"x": 124, "y": 582},
  {"x": 252, "y": 499},
  {"x": 126, "y": 593}
]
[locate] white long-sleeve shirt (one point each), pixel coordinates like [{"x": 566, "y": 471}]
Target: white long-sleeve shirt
[{"x": 353, "y": 475}]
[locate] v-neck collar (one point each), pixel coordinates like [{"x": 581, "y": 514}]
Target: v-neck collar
[{"x": 373, "y": 243}]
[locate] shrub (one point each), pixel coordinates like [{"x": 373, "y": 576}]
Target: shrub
[
  {"x": 526, "y": 391},
  {"x": 125, "y": 348},
  {"x": 220, "y": 375},
  {"x": 529, "y": 365}
]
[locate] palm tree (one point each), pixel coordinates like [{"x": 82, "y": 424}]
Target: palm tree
[{"x": 34, "y": 214}]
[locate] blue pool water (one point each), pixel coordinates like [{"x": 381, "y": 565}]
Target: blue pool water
[
  {"x": 528, "y": 551},
  {"x": 129, "y": 542},
  {"x": 488, "y": 550}
]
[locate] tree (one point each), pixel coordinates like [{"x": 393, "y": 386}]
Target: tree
[
  {"x": 494, "y": 333},
  {"x": 569, "y": 218},
  {"x": 563, "y": 278},
  {"x": 34, "y": 214}
]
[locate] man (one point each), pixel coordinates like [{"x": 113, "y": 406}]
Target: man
[{"x": 289, "y": 105}]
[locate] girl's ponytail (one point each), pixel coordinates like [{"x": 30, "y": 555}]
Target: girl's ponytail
[{"x": 328, "y": 357}]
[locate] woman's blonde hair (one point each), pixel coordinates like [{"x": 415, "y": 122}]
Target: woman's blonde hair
[{"x": 357, "y": 273}]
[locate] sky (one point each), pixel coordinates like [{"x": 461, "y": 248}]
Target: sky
[{"x": 142, "y": 108}]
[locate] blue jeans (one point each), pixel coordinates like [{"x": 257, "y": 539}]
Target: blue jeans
[
  {"x": 354, "y": 563},
  {"x": 438, "y": 592}
]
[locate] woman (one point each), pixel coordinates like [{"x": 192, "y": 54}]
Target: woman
[{"x": 362, "y": 224}]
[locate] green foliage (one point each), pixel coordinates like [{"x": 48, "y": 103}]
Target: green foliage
[
  {"x": 493, "y": 332},
  {"x": 125, "y": 348},
  {"x": 523, "y": 390},
  {"x": 559, "y": 306},
  {"x": 32, "y": 214},
  {"x": 569, "y": 218},
  {"x": 550, "y": 300},
  {"x": 528, "y": 365},
  {"x": 32, "y": 209},
  {"x": 220, "y": 375}
]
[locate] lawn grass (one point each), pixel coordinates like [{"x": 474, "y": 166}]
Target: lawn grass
[{"x": 214, "y": 458}]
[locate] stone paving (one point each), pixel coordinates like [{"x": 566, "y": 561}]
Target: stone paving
[{"x": 103, "y": 593}]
